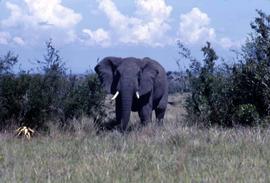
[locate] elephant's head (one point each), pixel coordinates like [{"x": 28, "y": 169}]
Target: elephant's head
[{"x": 127, "y": 79}]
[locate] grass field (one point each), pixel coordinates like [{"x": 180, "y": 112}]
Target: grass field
[{"x": 173, "y": 153}]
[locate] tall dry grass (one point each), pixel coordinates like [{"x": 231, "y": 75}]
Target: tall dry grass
[{"x": 172, "y": 153}]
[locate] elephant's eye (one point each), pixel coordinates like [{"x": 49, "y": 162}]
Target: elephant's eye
[
  {"x": 139, "y": 77},
  {"x": 117, "y": 73},
  {"x": 139, "y": 74}
]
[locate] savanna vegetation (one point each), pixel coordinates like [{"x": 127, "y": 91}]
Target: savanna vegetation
[
  {"x": 216, "y": 128},
  {"x": 174, "y": 153},
  {"x": 232, "y": 95},
  {"x": 49, "y": 93}
]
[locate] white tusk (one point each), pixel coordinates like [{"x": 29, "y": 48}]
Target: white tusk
[
  {"x": 137, "y": 95},
  {"x": 115, "y": 95}
]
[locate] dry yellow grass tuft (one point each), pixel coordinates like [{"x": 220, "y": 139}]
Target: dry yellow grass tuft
[{"x": 25, "y": 131}]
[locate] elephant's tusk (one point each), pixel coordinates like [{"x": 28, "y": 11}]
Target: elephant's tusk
[
  {"x": 137, "y": 95},
  {"x": 115, "y": 95}
]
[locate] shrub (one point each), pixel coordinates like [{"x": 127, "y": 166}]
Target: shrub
[
  {"x": 246, "y": 114},
  {"x": 232, "y": 95},
  {"x": 252, "y": 75},
  {"x": 34, "y": 99},
  {"x": 86, "y": 97},
  {"x": 7, "y": 62},
  {"x": 207, "y": 103}
]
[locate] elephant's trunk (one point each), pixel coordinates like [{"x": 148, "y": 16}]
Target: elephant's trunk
[{"x": 126, "y": 104}]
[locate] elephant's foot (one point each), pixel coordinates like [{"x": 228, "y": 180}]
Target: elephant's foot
[
  {"x": 160, "y": 122},
  {"x": 160, "y": 113},
  {"x": 145, "y": 122},
  {"x": 110, "y": 125},
  {"x": 123, "y": 127}
]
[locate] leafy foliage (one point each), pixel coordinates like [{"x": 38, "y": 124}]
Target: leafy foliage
[
  {"x": 33, "y": 99},
  {"x": 207, "y": 90},
  {"x": 7, "y": 62},
  {"x": 233, "y": 95}
]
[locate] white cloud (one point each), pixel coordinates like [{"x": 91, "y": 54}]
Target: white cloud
[
  {"x": 18, "y": 40},
  {"x": 195, "y": 27},
  {"x": 43, "y": 19},
  {"x": 71, "y": 36},
  {"x": 155, "y": 9},
  {"x": 99, "y": 37},
  {"x": 53, "y": 13},
  {"x": 4, "y": 37},
  {"x": 15, "y": 15},
  {"x": 149, "y": 26},
  {"x": 226, "y": 42},
  {"x": 39, "y": 12}
]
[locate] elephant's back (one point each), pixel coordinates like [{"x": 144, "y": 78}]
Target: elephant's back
[{"x": 157, "y": 65}]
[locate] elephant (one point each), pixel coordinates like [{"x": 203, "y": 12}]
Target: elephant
[{"x": 138, "y": 85}]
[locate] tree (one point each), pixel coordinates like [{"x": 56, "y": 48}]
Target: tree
[
  {"x": 7, "y": 62},
  {"x": 34, "y": 99},
  {"x": 241, "y": 94},
  {"x": 205, "y": 84}
]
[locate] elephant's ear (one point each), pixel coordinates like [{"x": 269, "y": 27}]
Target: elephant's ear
[
  {"x": 147, "y": 77},
  {"x": 105, "y": 70}
]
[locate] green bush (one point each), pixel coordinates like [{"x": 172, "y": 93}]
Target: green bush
[
  {"x": 86, "y": 97},
  {"x": 246, "y": 114},
  {"x": 209, "y": 87},
  {"x": 34, "y": 99},
  {"x": 234, "y": 95}
]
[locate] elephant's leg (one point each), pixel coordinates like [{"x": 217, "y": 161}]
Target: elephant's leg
[
  {"x": 160, "y": 113},
  {"x": 118, "y": 111},
  {"x": 145, "y": 114}
]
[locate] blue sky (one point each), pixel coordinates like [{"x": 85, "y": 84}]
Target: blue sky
[{"x": 84, "y": 30}]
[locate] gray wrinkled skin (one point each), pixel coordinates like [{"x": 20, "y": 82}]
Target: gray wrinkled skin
[{"x": 129, "y": 75}]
